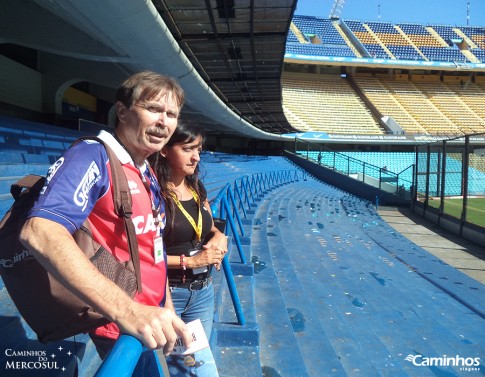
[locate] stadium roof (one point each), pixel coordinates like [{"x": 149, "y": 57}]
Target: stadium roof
[
  {"x": 238, "y": 49},
  {"x": 233, "y": 51}
]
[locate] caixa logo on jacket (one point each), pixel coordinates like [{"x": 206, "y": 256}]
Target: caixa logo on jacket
[{"x": 24, "y": 255}]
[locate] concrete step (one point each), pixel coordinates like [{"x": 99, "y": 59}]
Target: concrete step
[{"x": 279, "y": 352}]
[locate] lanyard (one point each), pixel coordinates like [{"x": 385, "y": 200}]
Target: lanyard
[
  {"x": 197, "y": 227},
  {"x": 146, "y": 183}
]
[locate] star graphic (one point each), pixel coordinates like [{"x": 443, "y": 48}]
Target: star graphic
[
  {"x": 60, "y": 348},
  {"x": 53, "y": 355},
  {"x": 69, "y": 353}
]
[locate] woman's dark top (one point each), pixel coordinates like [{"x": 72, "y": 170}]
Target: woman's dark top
[{"x": 180, "y": 237}]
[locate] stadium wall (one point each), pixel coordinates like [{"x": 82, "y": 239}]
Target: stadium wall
[{"x": 20, "y": 85}]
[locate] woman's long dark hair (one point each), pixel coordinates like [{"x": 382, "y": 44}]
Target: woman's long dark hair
[{"x": 184, "y": 133}]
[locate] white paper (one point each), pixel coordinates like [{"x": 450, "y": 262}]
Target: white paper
[{"x": 199, "y": 340}]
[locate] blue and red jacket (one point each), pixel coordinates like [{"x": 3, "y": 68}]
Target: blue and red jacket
[{"x": 78, "y": 188}]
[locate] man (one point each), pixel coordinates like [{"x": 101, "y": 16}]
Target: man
[{"x": 78, "y": 187}]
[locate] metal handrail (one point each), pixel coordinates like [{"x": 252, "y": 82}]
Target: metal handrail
[
  {"x": 350, "y": 165},
  {"x": 123, "y": 357}
]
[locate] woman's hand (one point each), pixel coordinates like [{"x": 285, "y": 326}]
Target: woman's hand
[
  {"x": 209, "y": 254},
  {"x": 218, "y": 243}
]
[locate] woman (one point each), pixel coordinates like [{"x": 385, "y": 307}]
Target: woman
[{"x": 193, "y": 243}]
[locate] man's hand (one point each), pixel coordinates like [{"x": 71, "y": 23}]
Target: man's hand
[{"x": 154, "y": 326}]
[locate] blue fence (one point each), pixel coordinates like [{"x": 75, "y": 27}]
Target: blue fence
[
  {"x": 448, "y": 176},
  {"x": 391, "y": 172}
]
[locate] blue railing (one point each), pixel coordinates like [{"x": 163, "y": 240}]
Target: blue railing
[
  {"x": 393, "y": 182},
  {"x": 122, "y": 359},
  {"x": 232, "y": 204}
]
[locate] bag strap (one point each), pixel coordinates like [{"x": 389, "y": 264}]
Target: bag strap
[{"x": 123, "y": 204}]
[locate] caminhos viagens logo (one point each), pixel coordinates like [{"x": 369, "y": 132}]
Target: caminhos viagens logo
[
  {"x": 19, "y": 257},
  {"x": 469, "y": 364}
]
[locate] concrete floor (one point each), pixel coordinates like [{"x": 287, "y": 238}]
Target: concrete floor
[{"x": 457, "y": 252}]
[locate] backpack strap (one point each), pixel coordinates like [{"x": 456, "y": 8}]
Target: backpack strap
[{"x": 123, "y": 204}]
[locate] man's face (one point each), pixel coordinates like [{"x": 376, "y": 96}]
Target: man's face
[{"x": 146, "y": 126}]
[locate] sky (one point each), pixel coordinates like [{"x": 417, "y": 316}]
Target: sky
[{"x": 443, "y": 12}]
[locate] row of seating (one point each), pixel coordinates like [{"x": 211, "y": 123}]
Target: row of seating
[
  {"x": 322, "y": 28},
  {"x": 327, "y": 103},
  {"x": 30, "y": 148},
  {"x": 427, "y": 107},
  {"x": 453, "y": 177},
  {"x": 292, "y": 38},
  {"x": 476, "y": 34},
  {"x": 319, "y": 50},
  {"x": 402, "y": 41},
  {"x": 446, "y": 32},
  {"x": 413, "y": 29},
  {"x": 376, "y": 51},
  {"x": 392, "y": 39},
  {"x": 444, "y": 54},
  {"x": 382, "y": 27},
  {"x": 455, "y": 108},
  {"x": 404, "y": 52},
  {"x": 345, "y": 279}
]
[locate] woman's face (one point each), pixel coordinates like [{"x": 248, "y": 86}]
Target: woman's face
[{"x": 183, "y": 157}]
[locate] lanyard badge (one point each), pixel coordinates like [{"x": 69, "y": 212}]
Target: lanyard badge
[
  {"x": 197, "y": 226},
  {"x": 158, "y": 250}
]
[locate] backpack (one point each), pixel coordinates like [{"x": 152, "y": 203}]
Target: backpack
[{"x": 51, "y": 310}]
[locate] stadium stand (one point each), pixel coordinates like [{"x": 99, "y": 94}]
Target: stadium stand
[
  {"x": 323, "y": 34},
  {"x": 387, "y": 35},
  {"x": 476, "y": 35},
  {"x": 429, "y": 105},
  {"x": 419, "y": 35},
  {"x": 292, "y": 38},
  {"x": 28, "y": 148},
  {"x": 367, "y": 39},
  {"x": 327, "y": 103},
  {"x": 312, "y": 49},
  {"x": 429, "y": 46},
  {"x": 395, "y": 168},
  {"x": 447, "y": 33},
  {"x": 420, "y": 104},
  {"x": 350, "y": 285},
  {"x": 384, "y": 40},
  {"x": 451, "y": 104},
  {"x": 327, "y": 287},
  {"x": 385, "y": 101}
]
